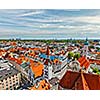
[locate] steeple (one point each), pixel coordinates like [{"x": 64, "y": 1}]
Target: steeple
[
  {"x": 48, "y": 51},
  {"x": 47, "y": 54},
  {"x": 86, "y": 42},
  {"x": 85, "y": 49},
  {"x": 47, "y": 65}
]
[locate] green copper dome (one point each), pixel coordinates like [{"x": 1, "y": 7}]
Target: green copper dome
[{"x": 86, "y": 42}]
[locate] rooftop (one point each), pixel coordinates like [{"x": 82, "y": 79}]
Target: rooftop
[
  {"x": 42, "y": 85},
  {"x": 80, "y": 81},
  {"x": 7, "y": 73}
]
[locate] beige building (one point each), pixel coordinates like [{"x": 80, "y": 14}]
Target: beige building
[{"x": 10, "y": 79}]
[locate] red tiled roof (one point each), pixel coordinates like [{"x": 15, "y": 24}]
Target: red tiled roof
[
  {"x": 80, "y": 81},
  {"x": 92, "y": 61},
  {"x": 84, "y": 62}
]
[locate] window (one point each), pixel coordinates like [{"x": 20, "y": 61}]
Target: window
[
  {"x": 10, "y": 82},
  {"x": 2, "y": 86},
  {"x": 16, "y": 76},
  {"x": 1, "y": 80},
  {"x": 14, "y": 85},
  {"x": 13, "y": 78},
  {"x": 14, "y": 88},
  {"x": 17, "y": 83},
  {"x": 10, "y": 87},
  {"x": 6, "y": 84},
  {"x": 13, "y": 81},
  {"x": 6, "y": 88},
  {"x": 9, "y": 77},
  {"x": 6, "y": 75},
  {"x": 9, "y": 73}
]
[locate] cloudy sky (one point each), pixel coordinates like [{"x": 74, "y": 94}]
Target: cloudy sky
[{"x": 40, "y": 24}]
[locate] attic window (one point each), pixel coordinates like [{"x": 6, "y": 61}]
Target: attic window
[
  {"x": 6, "y": 74},
  {"x": 9, "y": 73}
]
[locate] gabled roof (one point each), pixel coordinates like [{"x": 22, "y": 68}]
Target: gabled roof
[
  {"x": 37, "y": 68},
  {"x": 80, "y": 81},
  {"x": 84, "y": 62},
  {"x": 93, "y": 61}
]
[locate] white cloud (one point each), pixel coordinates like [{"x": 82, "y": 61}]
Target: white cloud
[
  {"x": 31, "y": 13},
  {"x": 49, "y": 24}
]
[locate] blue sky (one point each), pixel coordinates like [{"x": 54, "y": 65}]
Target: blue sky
[{"x": 53, "y": 24}]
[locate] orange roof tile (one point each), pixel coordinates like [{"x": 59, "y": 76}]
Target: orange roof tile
[
  {"x": 93, "y": 61},
  {"x": 84, "y": 62},
  {"x": 80, "y": 80},
  {"x": 81, "y": 83},
  {"x": 37, "y": 68}
]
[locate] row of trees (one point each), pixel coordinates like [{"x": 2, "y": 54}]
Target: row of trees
[{"x": 72, "y": 55}]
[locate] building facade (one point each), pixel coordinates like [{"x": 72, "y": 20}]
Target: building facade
[{"x": 10, "y": 79}]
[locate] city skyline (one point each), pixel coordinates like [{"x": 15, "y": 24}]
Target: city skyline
[{"x": 49, "y": 23}]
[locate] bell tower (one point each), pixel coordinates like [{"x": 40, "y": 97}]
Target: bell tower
[
  {"x": 47, "y": 65},
  {"x": 85, "y": 48}
]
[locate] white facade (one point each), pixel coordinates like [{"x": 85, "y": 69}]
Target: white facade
[
  {"x": 85, "y": 50},
  {"x": 48, "y": 71}
]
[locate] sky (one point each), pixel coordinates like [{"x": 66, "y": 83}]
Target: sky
[{"x": 49, "y": 23}]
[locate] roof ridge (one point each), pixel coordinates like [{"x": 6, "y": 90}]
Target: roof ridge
[{"x": 84, "y": 83}]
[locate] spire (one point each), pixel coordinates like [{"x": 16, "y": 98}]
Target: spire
[{"x": 48, "y": 51}]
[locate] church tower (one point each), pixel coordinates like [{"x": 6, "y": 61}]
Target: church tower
[
  {"x": 47, "y": 65},
  {"x": 85, "y": 48}
]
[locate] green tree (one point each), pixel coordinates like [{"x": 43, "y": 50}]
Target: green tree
[
  {"x": 95, "y": 70},
  {"x": 70, "y": 55},
  {"x": 91, "y": 46},
  {"x": 77, "y": 55}
]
